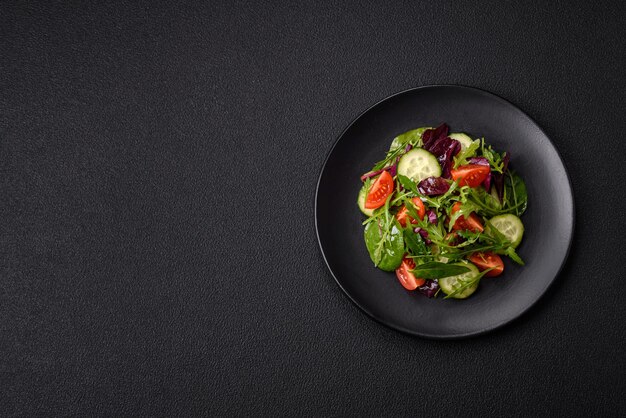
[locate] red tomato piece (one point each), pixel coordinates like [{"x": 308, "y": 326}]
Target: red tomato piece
[
  {"x": 471, "y": 175},
  {"x": 380, "y": 191},
  {"x": 403, "y": 214},
  {"x": 406, "y": 277},
  {"x": 486, "y": 261},
  {"x": 471, "y": 223}
]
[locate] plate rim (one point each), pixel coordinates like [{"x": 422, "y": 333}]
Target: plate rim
[{"x": 454, "y": 336}]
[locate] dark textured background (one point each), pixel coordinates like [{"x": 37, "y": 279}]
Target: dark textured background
[{"x": 157, "y": 174}]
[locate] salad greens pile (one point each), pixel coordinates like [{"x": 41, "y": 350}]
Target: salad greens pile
[{"x": 441, "y": 211}]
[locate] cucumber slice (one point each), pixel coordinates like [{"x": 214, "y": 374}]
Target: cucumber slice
[
  {"x": 464, "y": 139},
  {"x": 451, "y": 284},
  {"x": 361, "y": 202},
  {"x": 510, "y": 226},
  {"x": 419, "y": 164}
]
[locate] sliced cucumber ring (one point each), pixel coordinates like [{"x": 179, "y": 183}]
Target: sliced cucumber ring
[
  {"x": 419, "y": 164},
  {"x": 361, "y": 202},
  {"x": 464, "y": 139},
  {"x": 452, "y": 284},
  {"x": 510, "y": 226}
]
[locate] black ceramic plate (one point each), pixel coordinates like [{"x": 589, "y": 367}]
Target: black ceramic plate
[{"x": 548, "y": 221}]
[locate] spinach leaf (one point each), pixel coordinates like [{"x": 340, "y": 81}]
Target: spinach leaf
[
  {"x": 385, "y": 244},
  {"x": 413, "y": 137}
]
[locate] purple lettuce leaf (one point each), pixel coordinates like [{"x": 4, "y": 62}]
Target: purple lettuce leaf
[
  {"x": 478, "y": 161},
  {"x": 429, "y": 288},
  {"x": 487, "y": 182},
  {"x": 424, "y": 234},
  {"x": 432, "y": 186},
  {"x": 392, "y": 170},
  {"x": 437, "y": 142},
  {"x": 432, "y": 216},
  {"x": 431, "y": 135},
  {"x": 451, "y": 148},
  {"x": 498, "y": 178}
]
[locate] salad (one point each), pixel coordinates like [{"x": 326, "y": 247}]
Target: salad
[{"x": 442, "y": 210}]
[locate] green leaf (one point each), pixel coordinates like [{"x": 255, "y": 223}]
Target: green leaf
[
  {"x": 367, "y": 185},
  {"x": 463, "y": 156},
  {"x": 414, "y": 243},
  {"x": 384, "y": 240},
  {"x": 393, "y": 250},
  {"x": 486, "y": 204},
  {"x": 510, "y": 252},
  {"x": 516, "y": 195},
  {"x": 436, "y": 231},
  {"x": 410, "y": 207},
  {"x": 465, "y": 210},
  {"x": 408, "y": 184},
  {"x": 498, "y": 236},
  {"x": 413, "y": 137},
  {"x": 373, "y": 237},
  {"x": 495, "y": 159},
  {"x": 436, "y": 270}
]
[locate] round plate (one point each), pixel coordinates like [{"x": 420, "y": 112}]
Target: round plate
[{"x": 548, "y": 221}]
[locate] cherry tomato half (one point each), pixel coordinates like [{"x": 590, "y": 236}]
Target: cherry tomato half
[
  {"x": 406, "y": 278},
  {"x": 471, "y": 175},
  {"x": 471, "y": 223},
  {"x": 403, "y": 214},
  {"x": 486, "y": 261},
  {"x": 380, "y": 191}
]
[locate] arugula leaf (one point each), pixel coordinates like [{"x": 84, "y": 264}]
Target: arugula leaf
[
  {"x": 499, "y": 237},
  {"x": 414, "y": 242},
  {"x": 463, "y": 156},
  {"x": 510, "y": 252},
  {"x": 489, "y": 240},
  {"x": 486, "y": 203},
  {"x": 408, "y": 184},
  {"x": 437, "y": 270},
  {"x": 465, "y": 210},
  {"x": 410, "y": 207},
  {"x": 515, "y": 191},
  {"x": 436, "y": 231},
  {"x": 389, "y": 159},
  {"x": 494, "y": 158}
]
